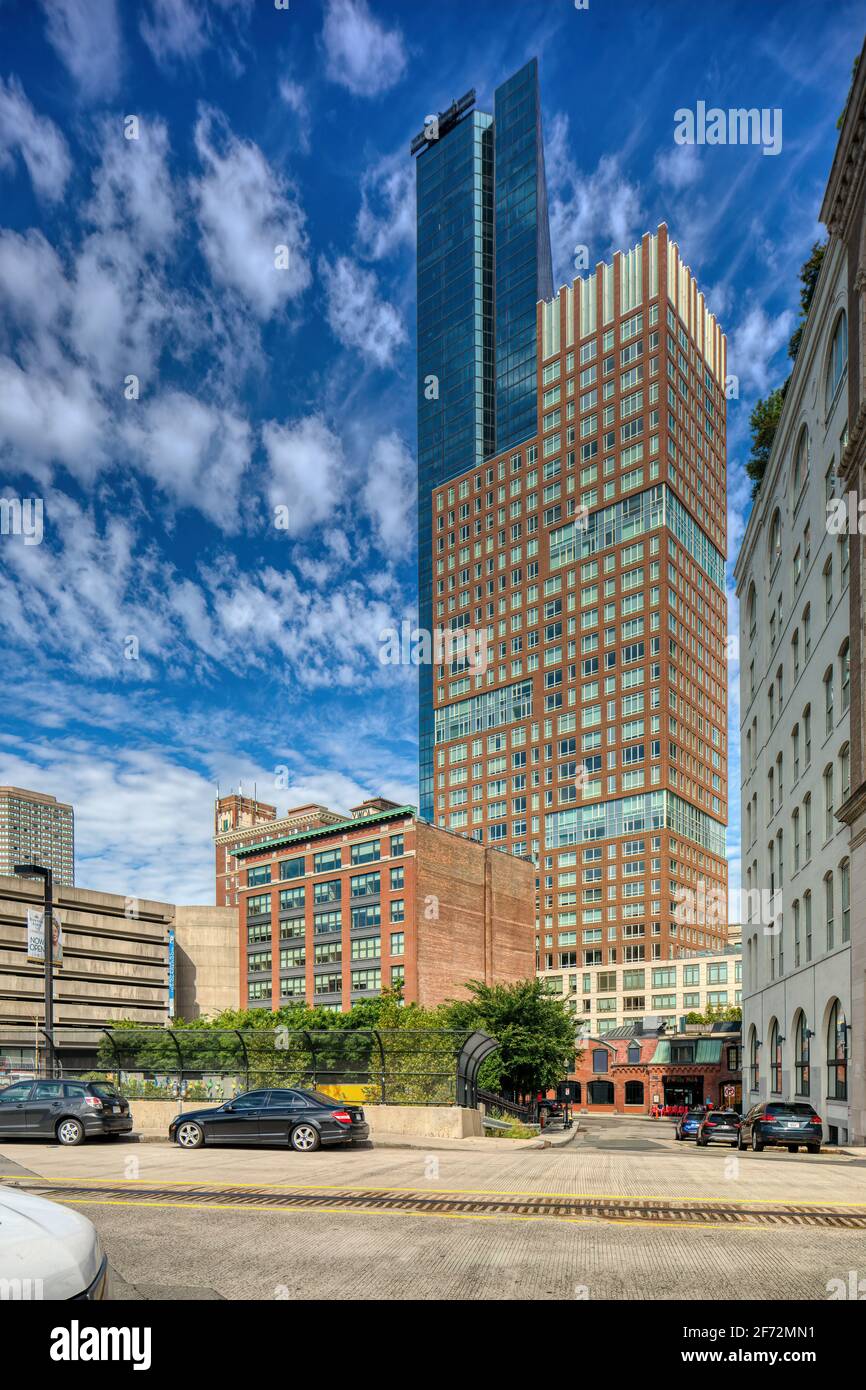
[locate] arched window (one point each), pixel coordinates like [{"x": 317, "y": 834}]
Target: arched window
[
  {"x": 836, "y": 360},
  {"x": 754, "y": 1068},
  {"x": 634, "y": 1093},
  {"x": 845, "y": 674},
  {"x": 775, "y": 539},
  {"x": 845, "y": 895},
  {"x": 775, "y": 1059},
  {"x": 600, "y": 1093},
  {"x": 801, "y": 1054},
  {"x": 828, "y": 700},
  {"x": 829, "y": 910},
  {"x": 801, "y": 462},
  {"x": 837, "y": 1054}
]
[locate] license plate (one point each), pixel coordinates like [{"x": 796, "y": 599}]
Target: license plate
[{"x": 115, "y": 1109}]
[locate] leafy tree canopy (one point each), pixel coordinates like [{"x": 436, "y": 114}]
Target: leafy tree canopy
[
  {"x": 534, "y": 1029},
  {"x": 764, "y": 421}
]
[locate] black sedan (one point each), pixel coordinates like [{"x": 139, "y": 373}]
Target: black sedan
[
  {"x": 304, "y": 1120},
  {"x": 719, "y": 1127},
  {"x": 785, "y": 1124},
  {"x": 68, "y": 1111}
]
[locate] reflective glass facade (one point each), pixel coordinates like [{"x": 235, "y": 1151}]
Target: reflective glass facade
[
  {"x": 478, "y": 188},
  {"x": 524, "y": 272}
]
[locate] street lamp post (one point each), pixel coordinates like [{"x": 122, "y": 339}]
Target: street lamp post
[{"x": 39, "y": 871}]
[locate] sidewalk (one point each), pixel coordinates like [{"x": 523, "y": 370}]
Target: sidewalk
[{"x": 549, "y": 1139}]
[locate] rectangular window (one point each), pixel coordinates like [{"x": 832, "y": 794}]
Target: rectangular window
[
  {"x": 363, "y": 885},
  {"x": 292, "y": 868},
  {"x": 363, "y": 917},
  {"x": 326, "y": 860},
  {"x": 327, "y": 892},
  {"x": 367, "y": 852}
]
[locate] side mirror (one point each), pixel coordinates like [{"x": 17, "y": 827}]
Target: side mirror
[{"x": 228, "y": 1107}]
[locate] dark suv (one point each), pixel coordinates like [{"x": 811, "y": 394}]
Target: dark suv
[
  {"x": 68, "y": 1111},
  {"x": 783, "y": 1123}
]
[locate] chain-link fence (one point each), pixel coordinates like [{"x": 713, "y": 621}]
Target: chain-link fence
[{"x": 400, "y": 1066}]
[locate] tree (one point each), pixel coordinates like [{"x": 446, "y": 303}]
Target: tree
[
  {"x": 717, "y": 1013},
  {"x": 534, "y": 1030},
  {"x": 809, "y": 272},
  {"x": 764, "y": 421}
]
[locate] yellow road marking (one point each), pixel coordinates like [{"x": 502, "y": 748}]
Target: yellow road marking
[{"x": 446, "y": 1191}]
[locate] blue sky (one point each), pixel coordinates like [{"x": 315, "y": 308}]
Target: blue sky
[{"x": 167, "y": 635}]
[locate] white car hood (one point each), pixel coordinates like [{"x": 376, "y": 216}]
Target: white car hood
[{"x": 41, "y": 1240}]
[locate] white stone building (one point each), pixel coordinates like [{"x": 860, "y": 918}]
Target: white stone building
[{"x": 792, "y": 585}]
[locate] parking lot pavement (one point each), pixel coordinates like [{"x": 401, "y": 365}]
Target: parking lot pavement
[{"x": 400, "y": 1223}]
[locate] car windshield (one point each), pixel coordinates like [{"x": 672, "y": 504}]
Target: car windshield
[
  {"x": 694, "y": 1115},
  {"x": 102, "y": 1088},
  {"x": 792, "y": 1109},
  {"x": 724, "y": 1116}
]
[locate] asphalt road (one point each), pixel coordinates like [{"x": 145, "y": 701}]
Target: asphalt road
[{"x": 627, "y": 1214}]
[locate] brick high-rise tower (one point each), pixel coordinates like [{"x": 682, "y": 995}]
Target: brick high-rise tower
[{"x": 593, "y": 553}]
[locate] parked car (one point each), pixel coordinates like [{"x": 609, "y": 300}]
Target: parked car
[
  {"x": 719, "y": 1127},
  {"x": 687, "y": 1124},
  {"x": 782, "y": 1123},
  {"x": 48, "y": 1251},
  {"x": 68, "y": 1111},
  {"x": 304, "y": 1120}
]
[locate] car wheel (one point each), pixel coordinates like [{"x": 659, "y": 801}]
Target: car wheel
[
  {"x": 735, "y": 1144},
  {"x": 740, "y": 1144},
  {"x": 757, "y": 1146},
  {"x": 793, "y": 1148},
  {"x": 70, "y": 1132},
  {"x": 305, "y": 1138},
  {"x": 703, "y": 1143},
  {"x": 678, "y": 1136},
  {"x": 813, "y": 1148},
  {"x": 189, "y": 1135}
]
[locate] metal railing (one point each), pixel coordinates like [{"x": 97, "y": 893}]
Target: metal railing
[{"x": 382, "y": 1066}]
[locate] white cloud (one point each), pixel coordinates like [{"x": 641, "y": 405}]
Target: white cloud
[
  {"x": 295, "y": 97},
  {"x": 679, "y": 167},
  {"x": 49, "y": 420},
  {"x": 37, "y": 140},
  {"x": 132, "y": 186},
  {"x": 601, "y": 210},
  {"x": 85, "y": 35},
  {"x": 357, "y": 316},
  {"x": 753, "y": 344},
  {"x": 174, "y": 30},
  {"x": 386, "y": 220},
  {"x": 307, "y": 469},
  {"x": 33, "y": 286},
  {"x": 245, "y": 211},
  {"x": 362, "y": 55},
  {"x": 389, "y": 494},
  {"x": 195, "y": 452}
]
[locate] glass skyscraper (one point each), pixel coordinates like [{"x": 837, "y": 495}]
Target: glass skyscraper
[{"x": 484, "y": 261}]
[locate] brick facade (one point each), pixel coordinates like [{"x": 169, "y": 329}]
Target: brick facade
[
  {"x": 338, "y": 913},
  {"x": 640, "y": 1071}
]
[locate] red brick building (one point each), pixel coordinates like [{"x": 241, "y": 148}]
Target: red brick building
[
  {"x": 244, "y": 820},
  {"x": 629, "y": 1071},
  {"x": 592, "y": 556},
  {"x": 337, "y": 912}
]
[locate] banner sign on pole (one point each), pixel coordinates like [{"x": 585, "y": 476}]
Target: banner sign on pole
[{"x": 36, "y": 935}]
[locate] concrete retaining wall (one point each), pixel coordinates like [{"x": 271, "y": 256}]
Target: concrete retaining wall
[{"x": 151, "y": 1118}]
